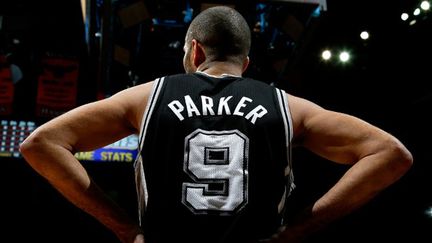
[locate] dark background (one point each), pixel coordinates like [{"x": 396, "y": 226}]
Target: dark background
[{"x": 387, "y": 83}]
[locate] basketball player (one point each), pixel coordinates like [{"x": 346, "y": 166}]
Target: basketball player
[{"x": 215, "y": 149}]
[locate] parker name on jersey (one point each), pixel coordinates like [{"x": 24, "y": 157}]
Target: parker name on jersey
[{"x": 208, "y": 108}]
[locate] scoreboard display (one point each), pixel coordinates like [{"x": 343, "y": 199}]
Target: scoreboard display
[
  {"x": 124, "y": 150},
  {"x": 12, "y": 133}
]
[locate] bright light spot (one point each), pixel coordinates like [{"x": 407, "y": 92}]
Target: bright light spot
[
  {"x": 428, "y": 212},
  {"x": 425, "y": 5},
  {"x": 416, "y": 12},
  {"x": 326, "y": 55},
  {"x": 413, "y": 22},
  {"x": 404, "y": 16},
  {"x": 344, "y": 56},
  {"x": 364, "y": 35}
]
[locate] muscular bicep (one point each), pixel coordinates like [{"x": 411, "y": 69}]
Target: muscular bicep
[
  {"x": 99, "y": 123},
  {"x": 339, "y": 137}
]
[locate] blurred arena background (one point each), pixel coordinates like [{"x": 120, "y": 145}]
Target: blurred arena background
[{"x": 368, "y": 58}]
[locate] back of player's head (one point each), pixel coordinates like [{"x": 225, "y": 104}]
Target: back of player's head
[{"x": 223, "y": 32}]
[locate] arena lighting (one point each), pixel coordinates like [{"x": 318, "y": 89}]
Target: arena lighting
[
  {"x": 423, "y": 8},
  {"x": 425, "y": 5},
  {"x": 428, "y": 212},
  {"x": 364, "y": 35},
  {"x": 84, "y": 9},
  {"x": 344, "y": 56},
  {"x": 326, "y": 55}
]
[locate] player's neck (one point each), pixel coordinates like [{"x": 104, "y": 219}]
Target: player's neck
[{"x": 220, "y": 69}]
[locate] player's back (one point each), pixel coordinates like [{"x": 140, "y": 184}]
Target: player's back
[{"x": 215, "y": 159}]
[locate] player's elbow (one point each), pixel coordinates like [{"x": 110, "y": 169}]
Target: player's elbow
[
  {"x": 35, "y": 143},
  {"x": 401, "y": 157},
  {"x": 28, "y": 145}
]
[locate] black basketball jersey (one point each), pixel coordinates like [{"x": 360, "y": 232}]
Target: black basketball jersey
[{"x": 214, "y": 162}]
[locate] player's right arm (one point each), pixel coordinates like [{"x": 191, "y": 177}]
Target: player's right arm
[{"x": 50, "y": 152}]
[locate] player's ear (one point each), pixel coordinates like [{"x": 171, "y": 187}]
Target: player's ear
[
  {"x": 198, "y": 53},
  {"x": 245, "y": 63}
]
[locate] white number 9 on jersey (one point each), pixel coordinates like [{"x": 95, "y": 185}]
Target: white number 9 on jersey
[{"x": 217, "y": 162}]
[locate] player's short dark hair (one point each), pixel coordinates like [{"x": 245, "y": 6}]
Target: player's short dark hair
[{"x": 224, "y": 33}]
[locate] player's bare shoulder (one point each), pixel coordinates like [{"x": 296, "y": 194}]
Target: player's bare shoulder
[{"x": 134, "y": 101}]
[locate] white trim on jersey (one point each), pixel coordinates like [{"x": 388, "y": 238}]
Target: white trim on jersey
[
  {"x": 224, "y": 75},
  {"x": 140, "y": 180},
  {"x": 287, "y": 120},
  {"x": 286, "y": 115},
  {"x": 157, "y": 86}
]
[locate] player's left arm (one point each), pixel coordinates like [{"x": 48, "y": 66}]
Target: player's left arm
[{"x": 377, "y": 159}]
